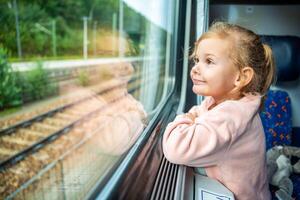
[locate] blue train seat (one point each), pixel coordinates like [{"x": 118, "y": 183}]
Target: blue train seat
[
  {"x": 276, "y": 118},
  {"x": 277, "y": 113}
]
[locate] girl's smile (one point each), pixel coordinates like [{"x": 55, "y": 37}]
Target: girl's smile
[{"x": 198, "y": 81}]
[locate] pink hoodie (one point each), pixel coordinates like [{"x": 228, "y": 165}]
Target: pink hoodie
[{"x": 227, "y": 140}]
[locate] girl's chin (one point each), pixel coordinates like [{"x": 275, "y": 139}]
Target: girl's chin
[{"x": 198, "y": 91}]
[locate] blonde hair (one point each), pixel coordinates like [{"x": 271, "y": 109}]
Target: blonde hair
[{"x": 247, "y": 51}]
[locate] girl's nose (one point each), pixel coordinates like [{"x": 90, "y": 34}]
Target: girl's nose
[{"x": 196, "y": 69}]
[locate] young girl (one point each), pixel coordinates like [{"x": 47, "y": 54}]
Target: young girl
[{"x": 224, "y": 134}]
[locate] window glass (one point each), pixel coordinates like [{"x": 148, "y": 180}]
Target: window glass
[{"x": 80, "y": 80}]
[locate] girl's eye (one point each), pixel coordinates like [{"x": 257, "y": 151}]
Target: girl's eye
[{"x": 209, "y": 61}]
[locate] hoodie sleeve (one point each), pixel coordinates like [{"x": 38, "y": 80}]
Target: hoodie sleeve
[{"x": 202, "y": 142}]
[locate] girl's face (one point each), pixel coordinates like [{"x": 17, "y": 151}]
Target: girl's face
[{"x": 214, "y": 74}]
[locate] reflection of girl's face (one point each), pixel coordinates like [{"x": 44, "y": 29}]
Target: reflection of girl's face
[
  {"x": 123, "y": 71},
  {"x": 214, "y": 73}
]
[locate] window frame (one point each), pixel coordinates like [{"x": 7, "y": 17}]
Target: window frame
[{"x": 110, "y": 186}]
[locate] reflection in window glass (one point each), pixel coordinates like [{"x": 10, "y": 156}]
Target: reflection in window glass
[{"x": 79, "y": 82}]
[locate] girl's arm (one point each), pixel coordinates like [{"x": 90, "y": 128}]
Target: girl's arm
[{"x": 200, "y": 143}]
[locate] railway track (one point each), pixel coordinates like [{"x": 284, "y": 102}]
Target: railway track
[
  {"x": 33, "y": 148},
  {"x": 14, "y": 176},
  {"x": 26, "y": 137},
  {"x": 24, "y": 149}
]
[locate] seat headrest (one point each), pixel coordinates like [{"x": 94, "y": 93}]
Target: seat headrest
[{"x": 286, "y": 54}]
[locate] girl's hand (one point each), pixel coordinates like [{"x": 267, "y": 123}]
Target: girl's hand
[{"x": 190, "y": 116}]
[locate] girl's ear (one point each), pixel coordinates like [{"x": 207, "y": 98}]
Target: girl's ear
[{"x": 245, "y": 76}]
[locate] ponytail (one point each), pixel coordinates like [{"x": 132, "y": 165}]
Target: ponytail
[{"x": 269, "y": 69}]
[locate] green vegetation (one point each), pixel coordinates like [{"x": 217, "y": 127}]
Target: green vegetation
[
  {"x": 83, "y": 78},
  {"x": 54, "y": 29},
  {"x": 9, "y": 111},
  {"x": 38, "y": 85},
  {"x": 17, "y": 88},
  {"x": 9, "y": 90}
]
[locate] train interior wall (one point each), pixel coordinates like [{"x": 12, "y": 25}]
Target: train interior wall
[{"x": 266, "y": 20}]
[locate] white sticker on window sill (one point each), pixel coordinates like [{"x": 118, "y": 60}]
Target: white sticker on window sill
[{"x": 207, "y": 195}]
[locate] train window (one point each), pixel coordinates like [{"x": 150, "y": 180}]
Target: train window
[{"x": 80, "y": 80}]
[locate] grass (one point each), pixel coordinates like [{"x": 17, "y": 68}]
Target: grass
[{"x": 9, "y": 111}]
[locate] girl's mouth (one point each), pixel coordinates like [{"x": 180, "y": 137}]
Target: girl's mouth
[{"x": 198, "y": 82}]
